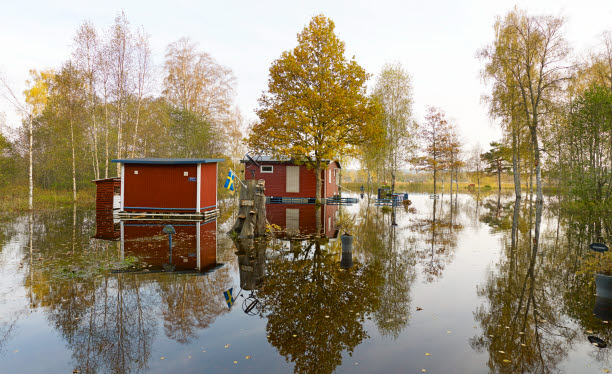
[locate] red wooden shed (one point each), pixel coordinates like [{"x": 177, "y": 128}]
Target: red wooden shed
[
  {"x": 170, "y": 185},
  {"x": 286, "y": 178}
]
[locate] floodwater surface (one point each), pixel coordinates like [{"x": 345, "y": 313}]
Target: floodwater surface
[{"x": 455, "y": 285}]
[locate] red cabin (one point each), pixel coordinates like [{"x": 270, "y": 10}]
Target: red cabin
[
  {"x": 288, "y": 179},
  {"x": 177, "y": 185}
]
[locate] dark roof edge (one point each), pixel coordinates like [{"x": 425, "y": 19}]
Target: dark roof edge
[
  {"x": 244, "y": 161},
  {"x": 169, "y": 161}
]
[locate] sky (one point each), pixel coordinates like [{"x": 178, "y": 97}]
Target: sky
[{"x": 435, "y": 41}]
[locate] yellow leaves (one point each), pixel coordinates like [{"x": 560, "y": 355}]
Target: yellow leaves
[
  {"x": 605, "y": 370},
  {"x": 427, "y": 354},
  {"x": 506, "y": 361}
]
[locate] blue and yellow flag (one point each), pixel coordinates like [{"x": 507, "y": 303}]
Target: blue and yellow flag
[
  {"x": 229, "y": 298},
  {"x": 229, "y": 182}
]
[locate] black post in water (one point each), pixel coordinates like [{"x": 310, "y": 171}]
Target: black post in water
[{"x": 168, "y": 229}]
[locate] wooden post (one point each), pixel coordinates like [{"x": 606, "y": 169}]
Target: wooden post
[{"x": 251, "y": 220}]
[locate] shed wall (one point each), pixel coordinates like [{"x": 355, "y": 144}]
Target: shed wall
[
  {"x": 276, "y": 182},
  {"x": 160, "y": 187}
]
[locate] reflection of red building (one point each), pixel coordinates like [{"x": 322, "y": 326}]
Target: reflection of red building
[
  {"x": 301, "y": 218},
  {"x": 194, "y": 245},
  {"x": 286, "y": 179},
  {"x": 107, "y": 228}
]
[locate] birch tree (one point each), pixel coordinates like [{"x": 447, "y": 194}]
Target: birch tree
[
  {"x": 393, "y": 91},
  {"x": 532, "y": 52}
]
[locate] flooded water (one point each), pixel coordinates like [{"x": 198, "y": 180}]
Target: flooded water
[{"x": 443, "y": 286}]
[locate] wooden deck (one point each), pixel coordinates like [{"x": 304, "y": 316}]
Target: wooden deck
[{"x": 156, "y": 216}]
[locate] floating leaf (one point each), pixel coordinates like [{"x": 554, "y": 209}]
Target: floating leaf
[
  {"x": 589, "y": 331},
  {"x": 235, "y": 362},
  {"x": 506, "y": 361},
  {"x": 326, "y": 316},
  {"x": 162, "y": 358},
  {"x": 423, "y": 370},
  {"x": 419, "y": 308},
  {"x": 247, "y": 357},
  {"x": 605, "y": 370},
  {"x": 523, "y": 344},
  {"x": 502, "y": 352},
  {"x": 227, "y": 345},
  {"x": 427, "y": 354},
  {"x": 448, "y": 331},
  {"x": 295, "y": 336},
  {"x": 189, "y": 357},
  {"x": 203, "y": 351}
]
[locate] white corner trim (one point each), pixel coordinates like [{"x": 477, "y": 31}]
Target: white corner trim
[
  {"x": 198, "y": 188},
  {"x": 122, "y": 186}
]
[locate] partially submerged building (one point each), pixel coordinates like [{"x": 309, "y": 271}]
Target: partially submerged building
[
  {"x": 289, "y": 181},
  {"x": 168, "y": 185}
]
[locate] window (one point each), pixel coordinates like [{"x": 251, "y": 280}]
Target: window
[
  {"x": 293, "y": 179},
  {"x": 185, "y": 173},
  {"x": 266, "y": 169},
  {"x": 135, "y": 172},
  {"x": 329, "y": 176}
]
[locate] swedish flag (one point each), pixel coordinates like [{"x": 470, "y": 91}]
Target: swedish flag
[
  {"x": 229, "y": 298},
  {"x": 229, "y": 182}
]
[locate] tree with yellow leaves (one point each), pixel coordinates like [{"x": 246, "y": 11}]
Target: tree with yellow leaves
[{"x": 316, "y": 107}]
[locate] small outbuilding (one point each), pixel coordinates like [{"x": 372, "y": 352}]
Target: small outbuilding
[
  {"x": 290, "y": 179},
  {"x": 168, "y": 185}
]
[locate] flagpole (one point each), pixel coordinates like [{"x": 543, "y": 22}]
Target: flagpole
[{"x": 239, "y": 180}]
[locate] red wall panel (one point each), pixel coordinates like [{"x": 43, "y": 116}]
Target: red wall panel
[
  {"x": 159, "y": 186},
  {"x": 276, "y": 182}
]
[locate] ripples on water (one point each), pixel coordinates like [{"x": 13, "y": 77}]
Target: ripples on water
[{"x": 446, "y": 289}]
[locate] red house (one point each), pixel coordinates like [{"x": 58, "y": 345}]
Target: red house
[
  {"x": 286, "y": 179},
  {"x": 177, "y": 185}
]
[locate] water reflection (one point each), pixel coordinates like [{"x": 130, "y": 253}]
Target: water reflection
[
  {"x": 107, "y": 305},
  {"x": 438, "y": 235},
  {"x": 315, "y": 309},
  {"x": 522, "y": 320}
]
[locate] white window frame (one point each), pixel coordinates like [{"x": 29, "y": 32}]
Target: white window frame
[{"x": 261, "y": 169}]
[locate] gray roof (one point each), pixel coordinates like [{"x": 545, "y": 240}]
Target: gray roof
[
  {"x": 168, "y": 161},
  {"x": 279, "y": 159}
]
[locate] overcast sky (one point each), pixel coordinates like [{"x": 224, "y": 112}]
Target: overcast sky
[{"x": 436, "y": 41}]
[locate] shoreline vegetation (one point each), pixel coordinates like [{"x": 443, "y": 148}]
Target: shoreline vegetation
[{"x": 15, "y": 198}]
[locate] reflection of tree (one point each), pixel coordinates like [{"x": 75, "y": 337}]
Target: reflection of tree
[
  {"x": 315, "y": 309},
  {"x": 497, "y": 213},
  {"x": 193, "y": 302},
  {"x": 523, "y": 328},
  {"x": 394, "y": 255},
  {"x": 440, "y": 234},
  {"x": 109, "y": 321}
]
